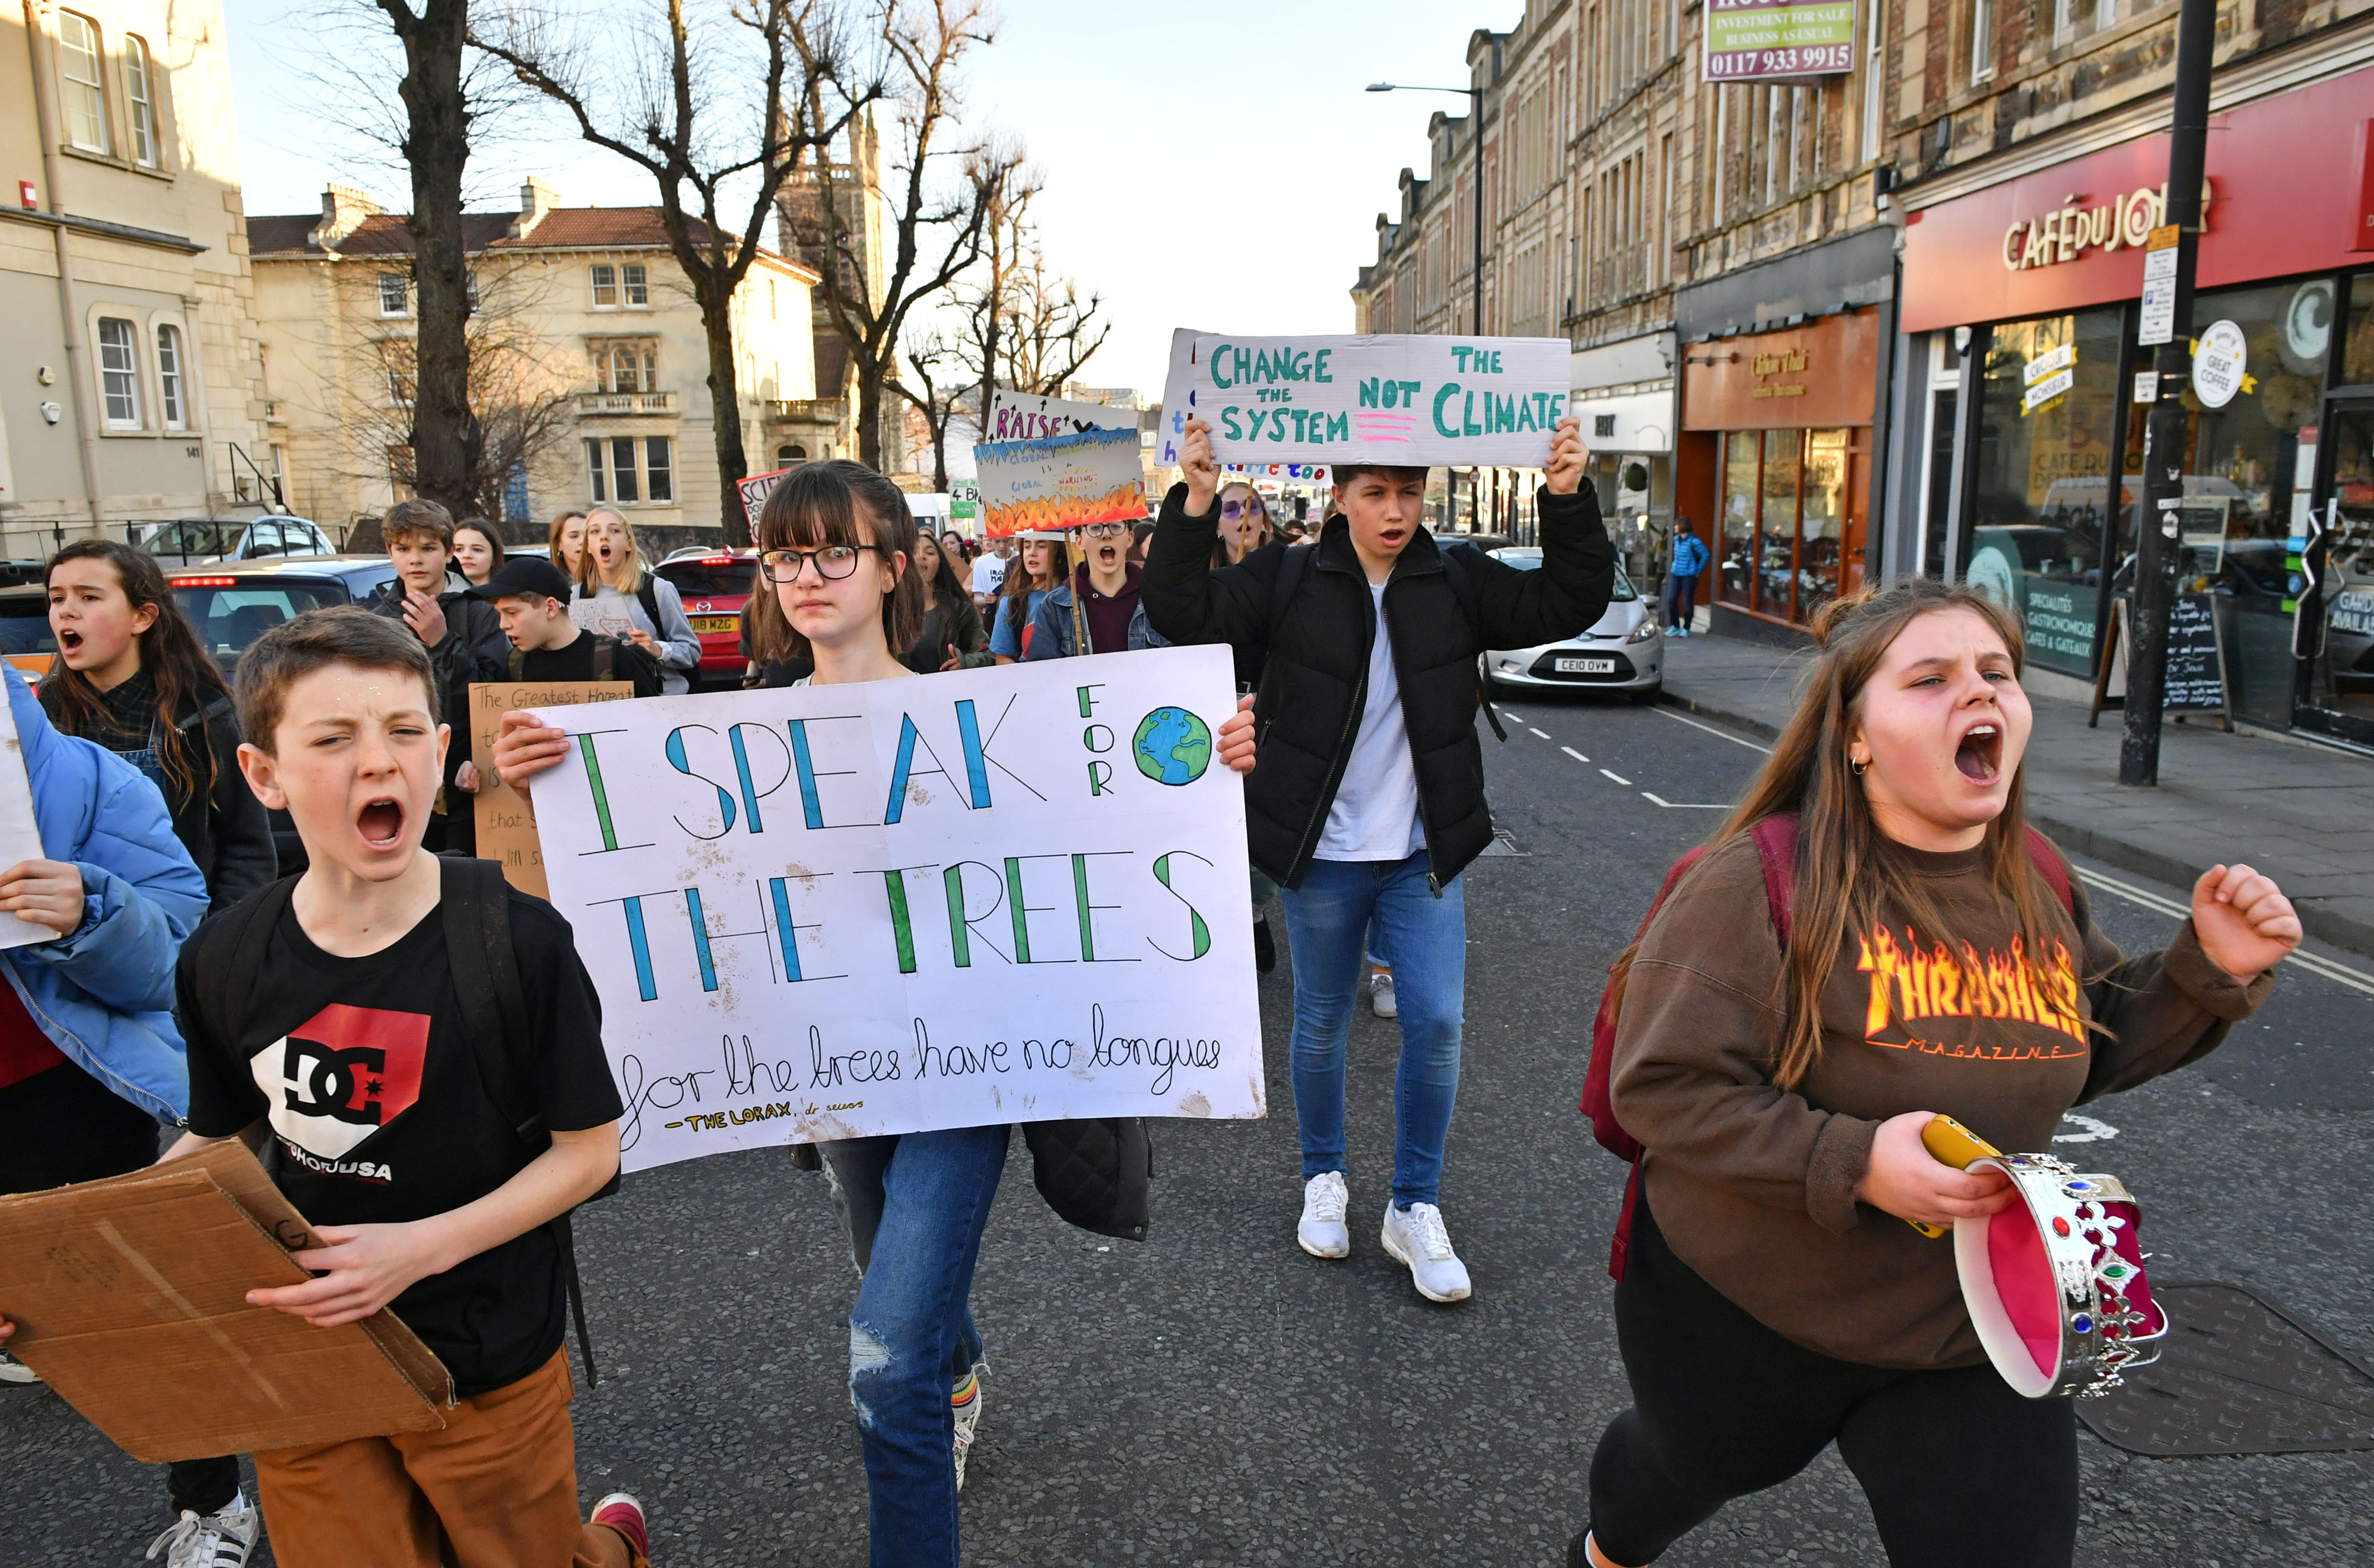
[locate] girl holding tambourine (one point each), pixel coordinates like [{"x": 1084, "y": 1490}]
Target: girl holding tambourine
[{"x": 1774, "y": 1301}]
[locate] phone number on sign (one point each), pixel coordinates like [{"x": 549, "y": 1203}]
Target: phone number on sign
[{"x": 1780, "y": 62}]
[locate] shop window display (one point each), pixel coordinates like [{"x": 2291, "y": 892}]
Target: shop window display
[
  {"x": 2341, "y": 677},
  {"x": 1784, "y": 512}
]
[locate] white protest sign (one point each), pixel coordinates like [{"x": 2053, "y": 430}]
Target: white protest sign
[
  {"x": 1172, "y": 427},
  {"x": 1066, "y": 481},
  {"x": 1427, "y": 401},
  {"x": 20, "y": 836},
  {"x": 996, "y": 895},
  {"x": 1019, "y": 416}
]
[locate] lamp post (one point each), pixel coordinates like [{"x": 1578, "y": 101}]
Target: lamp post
[{"x": 1475, "y": 274}]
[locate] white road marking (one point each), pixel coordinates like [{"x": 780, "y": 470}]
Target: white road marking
[
  {"x": 1682, "y": 805},
  {"x": 1718, "y": 734},
  {"x": 1619, "y": 778},
  {"x": 1573, "y": 753},
  {"x": 2091, "y": 1130},
  {"x": 2341, "y": 974},
  {"x": 1537, "y": 732}
]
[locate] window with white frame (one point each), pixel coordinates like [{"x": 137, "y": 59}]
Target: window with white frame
[
  {"x": 119, "y": 373},
  {"x": 659, "y": 469},
  {"x": 140, "y": 103},
  {"x": 639, "y": 291},
  {"x": 85, "y": 96},
  {"x": 606, "y": 287},
  {"x": 622, "y": 469},
  {"x": 169, "y": 379},
  {"x": 395, "y": 294},
  {"x": 596, "y": 474},
  {"x": 1983, "y": 40},
  {"x": 626, "y": 364},
  {"x": 625, "y": 471}
]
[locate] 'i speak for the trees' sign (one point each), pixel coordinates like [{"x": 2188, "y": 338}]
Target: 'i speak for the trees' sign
[
  {"x": 993, "y": 895},
  {"x": 1420, "y": 401}
]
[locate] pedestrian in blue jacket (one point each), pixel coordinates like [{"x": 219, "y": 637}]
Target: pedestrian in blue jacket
[{"x": 1681, "y": 578}]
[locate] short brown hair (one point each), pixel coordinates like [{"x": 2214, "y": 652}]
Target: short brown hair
[
  {"x": 818, "y": 503},
  {"x": 1345, "y": 474},
  {"x": 347, "y": 635},
  {"x": 410, "y": 519}
]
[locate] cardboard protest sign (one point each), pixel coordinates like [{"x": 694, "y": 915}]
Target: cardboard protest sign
[
  {"x": 506, "y": 823},
  {"x": 755, "y": 490},
  {"x": 1060, "y": 482},
  {"x": 1020, "y": 416},
  {"x": 20, "y": 838},
  {"x": 992, "y": 895},
  {"x": 130, "y": 1298},
  {"x": 1492, "y": 402}
]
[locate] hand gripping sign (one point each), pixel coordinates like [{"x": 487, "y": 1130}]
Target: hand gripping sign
[
  {"x": 995, "y": 895},
  {"x": 1490, "y": 402}
]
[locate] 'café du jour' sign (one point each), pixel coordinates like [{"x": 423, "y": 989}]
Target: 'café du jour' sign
[{"x": 2070, "y": 230}]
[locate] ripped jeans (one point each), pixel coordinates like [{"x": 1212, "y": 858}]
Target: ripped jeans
[{"x": 915, "y": 1205}]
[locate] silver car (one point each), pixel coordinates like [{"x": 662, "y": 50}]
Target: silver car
[{"x": 1624, "y": 651}]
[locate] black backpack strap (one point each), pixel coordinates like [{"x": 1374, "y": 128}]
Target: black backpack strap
[
  {"x": 648, "y": 596},
  {"x": 231, "y": 952},
  {"x": 605, "y": 658},
  {"x": 1454, "y": 567},
  {"x": 519, "y": 664}
]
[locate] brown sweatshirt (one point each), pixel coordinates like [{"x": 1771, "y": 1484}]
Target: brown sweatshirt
[{"x": 1754, "y": 1185}]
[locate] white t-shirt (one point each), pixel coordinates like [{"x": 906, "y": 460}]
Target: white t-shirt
[
  {"x": 1375, "y": 814},
  {"x": 988, "y": 573}
]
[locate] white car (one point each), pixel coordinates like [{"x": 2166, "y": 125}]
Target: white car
[{"x": 1624, "y": 651}]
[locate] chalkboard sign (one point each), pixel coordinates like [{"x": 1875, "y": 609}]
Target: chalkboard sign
[{"x": 2196, "y": 666}]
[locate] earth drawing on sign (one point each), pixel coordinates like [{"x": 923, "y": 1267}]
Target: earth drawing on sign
[{"x": 1173, "y": 747}]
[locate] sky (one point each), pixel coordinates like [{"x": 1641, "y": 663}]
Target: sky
[{"x": 1217, "y": 166}]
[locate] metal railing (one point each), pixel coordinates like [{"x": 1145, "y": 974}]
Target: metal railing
[{"x": 625, "y": 403}]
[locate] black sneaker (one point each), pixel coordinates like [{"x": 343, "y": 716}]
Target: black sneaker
[{"x": 1265, "y": 947}]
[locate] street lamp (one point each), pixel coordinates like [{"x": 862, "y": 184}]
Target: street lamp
[{"x": 1476, "y": 278}]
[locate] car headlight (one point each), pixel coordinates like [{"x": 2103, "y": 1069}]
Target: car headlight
[{"x": 1646, "y": 632}]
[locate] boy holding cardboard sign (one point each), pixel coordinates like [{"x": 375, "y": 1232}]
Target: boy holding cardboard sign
[{"x": 353, "y": 1044}]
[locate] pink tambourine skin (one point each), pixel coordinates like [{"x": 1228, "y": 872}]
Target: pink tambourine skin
[{"x": 2055, "y": 1282}]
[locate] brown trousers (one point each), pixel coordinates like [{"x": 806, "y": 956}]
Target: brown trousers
[{"x": 496, "y": 1489}]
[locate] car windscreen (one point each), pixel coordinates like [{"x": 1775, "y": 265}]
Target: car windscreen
[
  {"x": 229, "y": 614},
  {"x": 701, "y": 580},
  {"x": 25, "y": 626},
  {"x": 1531, "y": 560}
]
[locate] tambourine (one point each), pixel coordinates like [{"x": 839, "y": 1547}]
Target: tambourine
[{"x": 2054, "y": 1282}]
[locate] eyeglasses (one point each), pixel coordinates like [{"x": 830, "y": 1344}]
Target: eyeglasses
[
  {"x": 833, "y": 563},
  {"x": 1231, "y": 508},
  {"x": 1105, "y": 530}
]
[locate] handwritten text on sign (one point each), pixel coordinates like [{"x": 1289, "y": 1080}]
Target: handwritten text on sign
[
  {"x": 506, "y": 823},
  {"x": 1066, "y": 481},
  {"x": 1418, "y": 401},
  {"x": 982, "y": 896}
]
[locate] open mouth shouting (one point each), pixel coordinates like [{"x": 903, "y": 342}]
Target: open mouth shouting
[
  {"x": 69, "y": 643},
  {"x": 381, "y": 823},
  {"x": 1106, "y": 553},
  {"x": 1978, "y": 757}
]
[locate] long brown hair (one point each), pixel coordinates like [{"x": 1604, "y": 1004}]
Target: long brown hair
[
  {"x": 1847, "y": 869},
  {"x": 819, "y": 504},
  {"x": 1018, "y": 586},
  {"x": 186, "y": 678},
  {"x": 552, "y": 541}
]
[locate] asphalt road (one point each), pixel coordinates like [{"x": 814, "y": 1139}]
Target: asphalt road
[{"x": 1213, "y": 1395}]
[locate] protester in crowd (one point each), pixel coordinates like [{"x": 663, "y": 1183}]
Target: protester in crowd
[
  {"x": 130, "y": 676},
  {"x": 952, "y": 637},
  {"x": 1140, "y": 535},
  {"x": 989, "y": 570},
  {"x": 619, "y": 596},
  {"x": 1042, "y": 564},
  {"x": 1367, "y": 796},
  {"x": 530, "y": 599},
  {"x": 1769, "y": 1304},
  {"x": 1097, "y": 611},
  {"x": 958, "y": 551},
  {"x": 1689, "y": 558},
  {"x": 90, "y": 1056},
  {"x": 567, "y": 544},
  {"x": 463, "y": 639},
  {"x": 476, "y": 549},
  {"x": 449, "y": 1221},
  {"x": 1244, "y": 523}
]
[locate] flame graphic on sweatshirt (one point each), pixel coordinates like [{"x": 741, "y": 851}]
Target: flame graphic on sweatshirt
[{"x": 1909, "y": 984}]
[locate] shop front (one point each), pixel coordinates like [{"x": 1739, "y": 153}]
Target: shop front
[
  {"x": 1780, "y": 425},
  {"x": 2030, "y": 393},
  {"x": 1623, "y": 394}
]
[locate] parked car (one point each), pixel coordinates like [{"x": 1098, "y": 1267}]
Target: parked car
[
  {"x": 714, "y": 587},
  {"x": 197, "y": 541},
  {"x": 231, "y": 604},
  {"x": 26, "y": 639},
  {"x": 1624, "y": 651}
]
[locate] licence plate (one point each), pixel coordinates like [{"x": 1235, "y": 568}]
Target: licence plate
[
  {"x": 1586, "y": 666},
  {"x": 716, "y": 623}
]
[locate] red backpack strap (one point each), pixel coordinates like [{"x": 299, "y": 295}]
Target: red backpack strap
[
  {"x": 1776, "y": 846},
  {"x": 2052, "y": 869}
]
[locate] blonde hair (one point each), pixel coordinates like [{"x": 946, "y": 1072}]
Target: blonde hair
[{"x": 589, "y": 572}]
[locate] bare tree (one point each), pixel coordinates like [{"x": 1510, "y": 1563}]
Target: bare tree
[
  {"x": 939, "y": 403},
  {"x": 659, "y": 103},
  {"x": 1050, "y": 333},
  {"x": 925, "y": 42}
]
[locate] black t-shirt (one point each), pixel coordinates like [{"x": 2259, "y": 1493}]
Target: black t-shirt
[
  {"x": 375, "y": 1097},
  {"x": 575, "y": 662}
]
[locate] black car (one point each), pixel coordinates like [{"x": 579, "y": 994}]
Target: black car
[
  {"x": 26, "y": 639},
  {"x": 231, "y": 604}
]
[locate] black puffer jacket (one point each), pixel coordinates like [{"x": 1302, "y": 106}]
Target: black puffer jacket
[{"x": 1315, "y": 676}]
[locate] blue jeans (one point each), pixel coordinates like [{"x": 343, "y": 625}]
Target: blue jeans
[
  {"x": 915, "y": 1205},
  {"x": 1328, "y": 919}
]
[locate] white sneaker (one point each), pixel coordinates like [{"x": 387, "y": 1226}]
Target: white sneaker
[
  {"x": 13, "y": 1371},
  {"x": 1415, "y": 1236},
  {"x": 1323, "y": 1231},
  {"x": 1380, "y": 995},
  {"x": 969, "y": 1420},
  {"x": 219, "y": 1539}
]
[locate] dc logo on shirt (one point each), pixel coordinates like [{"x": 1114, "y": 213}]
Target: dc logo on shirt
[{"x": 342, "y": 1075}]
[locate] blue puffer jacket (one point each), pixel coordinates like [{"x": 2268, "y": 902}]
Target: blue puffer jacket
[{"x": 102, "y": 993}]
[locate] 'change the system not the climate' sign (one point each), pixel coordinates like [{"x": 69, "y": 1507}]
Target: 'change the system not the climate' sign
[{"x": 981, "y": 896}]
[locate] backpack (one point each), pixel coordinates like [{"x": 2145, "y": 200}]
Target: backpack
[
  {"x": 1454, "y": 568},
  {"x": 473, "y": 901},
  {"x": 1776, "y": 847}
]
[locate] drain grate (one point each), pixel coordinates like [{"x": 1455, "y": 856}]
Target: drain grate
[{"x": 2236, "y": 1374}]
